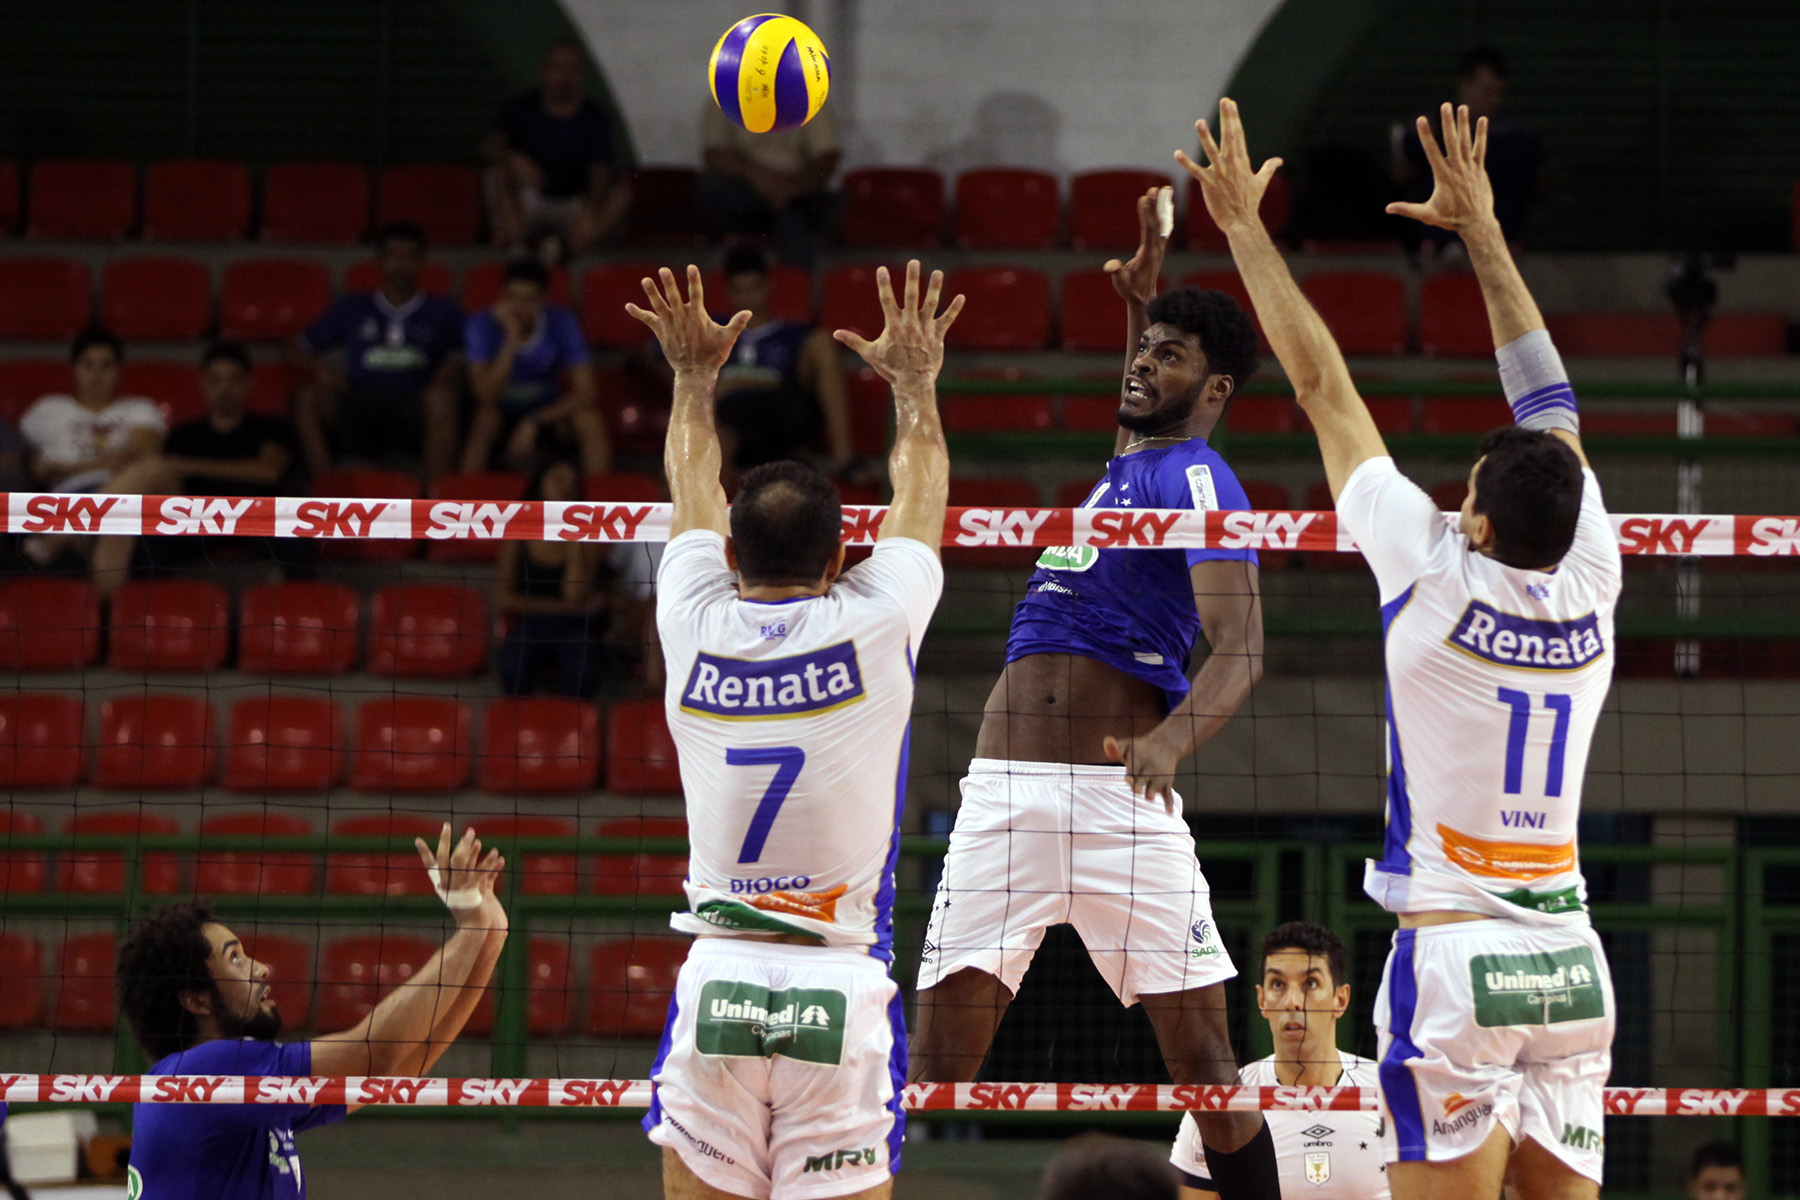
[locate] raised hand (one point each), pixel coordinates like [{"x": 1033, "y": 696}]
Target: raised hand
[
  {"x": 461, "y": 868},
  {"x": 691, "y": 340},
  {"x": 1461, "y": 194},
  {"x": 1137, "y": 278},
  {"x": 911, "y": 346},
  {"x": 1232, "y": 190}
]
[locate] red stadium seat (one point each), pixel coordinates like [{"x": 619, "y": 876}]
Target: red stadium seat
[
  {"x": 665, "y": 207},
  {"x": 102, "y": 872},
  {"x": 1738, "y": 422},
  {"x": 790, "y": 293},
  {"x": 1008, "y": 308},
  {"x": 41, "y": 740},
  {"x": 368, "y": 484},
  {"x": 272, "y": 386},
  {"x": 1616, "y": 335},
  {"x": 411, "y": 744},
  {"x": 175, "y": 386},
  {"x": 1366, "y": 310},
  {"x": 272, "y": 299},
  {"x": 1392, "y": 414},
  {"x": 1007, "y": 208},
  {"x": 356, "y": 972},
  {"x": 1260, "y": 414},
  {"x": 482, "y": 283},
  {"x": 443, "y": 199},
  {"x": 309, "y": 628},
  {"x": 540, "y": 745},
  {"x": 169, "y": 625},
  {"x": 23, "y": 381},
  {"x": 22, "y": 966},
  {"x": 997, "y": 412},
  {"x": 1449, "y": 495},
  {"x": 849, "y": 299},
  {"x": 641, "y": 873},
  {"x": 255, "y": 872},
  {"x": 365, "y": 276},
  {"x": 893, "y": 206},
  {"x": 640, "y": 753},
  {"x": 373, "y": 873},
  {"x": 93, "y": 198},
  {"x": 154, "y": 740},
  {"x": 604, "y": 293},
  {"x": 1093, "y": 313},
  {"x": 1464, "y": 414},
  {"x": 428, "y": 629},
  {"x": 549, "y": 992},
  {"x": 196, "y": 200},
  {"x": 1630, "y": 422},
  {"x": 623, "y": 487},
  {"x": 992, "y": 493},
  {"x": 156, "y": 299},
  {"x": 1746, "y": 334},
  {"x": 21, "y": 871},
  {"x": 48, "y": 624},
  {"x": 1096, "y": 411},
  {"x": 84, "y": 1000},
  {"x": 1205, "y": 237},
  {"x": 1103, "y": 207},
  {"x": 538, "y": 873},
  {"x": 10, "y": 197},
  {"x": 1265, "y": 496},
  {"x": 291, "y": 975},
  {"x": 635, "y": 407},
  {"x": 45, "y": 299},
  {"x": 283, "y": 743},
  {"x": 494, "y": 487},
  {"x": 1453, "y": 318},
  {"x": 630, "y": 983},
  {"x": 315, "y": 202},
  {"x": 871, "y": 411}
]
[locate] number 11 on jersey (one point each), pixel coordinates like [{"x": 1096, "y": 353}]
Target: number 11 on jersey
[
  {"x": 787, "y": 761},
  {"x": 1558, "y": 703}
]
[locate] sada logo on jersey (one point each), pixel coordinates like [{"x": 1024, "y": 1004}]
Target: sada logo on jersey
[
  {"x": 1509, "y": 640},
  {"x": 799, "y": 685}
]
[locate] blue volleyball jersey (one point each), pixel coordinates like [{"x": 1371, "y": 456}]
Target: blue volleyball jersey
[
  {"x": 225, "y": 1151},
  {"x": 390, "y": 352},
  {"x": 553, "y": 347},
  {"x": 1131, "y": 609}
]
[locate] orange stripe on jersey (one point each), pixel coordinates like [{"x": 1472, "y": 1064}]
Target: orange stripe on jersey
[
  {"x": 1505, "y": 860},
  {"x": 820, "y": 906}
]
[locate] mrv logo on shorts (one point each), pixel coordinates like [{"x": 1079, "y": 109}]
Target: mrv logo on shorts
[
  {"x": 1509, "y": 640},
  {"x": 799, "y": 685},
  {"x": 1536, "y": 989}
]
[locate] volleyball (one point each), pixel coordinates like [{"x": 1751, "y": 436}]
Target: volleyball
[{"x": 770, "y": 72}]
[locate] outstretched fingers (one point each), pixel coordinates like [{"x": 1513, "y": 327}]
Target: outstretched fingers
[
  {"x": 1207, "y": 144},
  {"x": 1481, "y": 130},
  {"x": 948, "y": 317},
  {"x": 912, "y": 285}
]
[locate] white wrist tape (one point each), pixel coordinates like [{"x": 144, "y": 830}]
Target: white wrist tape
[{"x": 461, "y": 898}]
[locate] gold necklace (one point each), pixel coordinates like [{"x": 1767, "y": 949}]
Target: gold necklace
[{"x": 1134, "y": 443}]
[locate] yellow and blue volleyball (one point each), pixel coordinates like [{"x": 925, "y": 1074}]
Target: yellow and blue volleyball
[{"x": 770, "y": 72}]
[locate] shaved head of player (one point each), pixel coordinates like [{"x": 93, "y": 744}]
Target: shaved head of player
[
  {"x": 1496, "y": 1011},
  {"x": 1069, "y": 812},
  {"x": 1303, "y": 993}
]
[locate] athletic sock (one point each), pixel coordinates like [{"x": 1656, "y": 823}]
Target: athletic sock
[{"x": 1247, "y": 1173}]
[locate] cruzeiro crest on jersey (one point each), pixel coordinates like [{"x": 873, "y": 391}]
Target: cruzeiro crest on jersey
[
  {"x": 1509, "y": 640},
  {"x": 799, "y": 685}
]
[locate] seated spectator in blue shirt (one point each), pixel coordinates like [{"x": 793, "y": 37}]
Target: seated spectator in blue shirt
[
  {"x": 533, "y": 384},
  {"x": 552, "y": 188},
  {"x": 555, "y": 607},
  {"x": 396, "y": 387},
  {"x": 199, "y": 1004}
]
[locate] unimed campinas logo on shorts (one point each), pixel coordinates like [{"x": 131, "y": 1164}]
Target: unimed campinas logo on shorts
[
  {"x": 749, "y": 1020},
  {"x": 1536, "y": 989},
  {"x": 799, "y": 685}
]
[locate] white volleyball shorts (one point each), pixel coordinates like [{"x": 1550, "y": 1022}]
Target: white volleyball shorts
[
  {"x": 1042, "y": 844},
  {"x": 780, "y": 1069},
  {"x": 1495, "y": 1022}
]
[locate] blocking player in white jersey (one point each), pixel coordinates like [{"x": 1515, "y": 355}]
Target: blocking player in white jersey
[
  {"x": 1496, "y": 1010},
  {"x": 1323, "y": 1155},
  {"x": 789, "y": 694}
]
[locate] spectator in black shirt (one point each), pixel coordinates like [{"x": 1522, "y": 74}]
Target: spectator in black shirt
[{"x": 551, "y": 183}]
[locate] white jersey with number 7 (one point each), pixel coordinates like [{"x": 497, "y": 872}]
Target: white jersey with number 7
[
  {"x": 1495, "y": 681},
  {"x": 790, "y": 721}
]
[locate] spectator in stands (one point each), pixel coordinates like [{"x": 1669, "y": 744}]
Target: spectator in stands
[
  {"x": 396, "y": 388},
  {"x": 1515, "y": 157},
  {"x": 1098, "y": 1165},
  {"x": 533, "y": 385},
  {"x": 557, "y": 611},
  {"x": 94, "y": 441},
  {"x": 1717, "y": 1173},
  {"x": 232, "y": 451},
  {"x": 552, "y": 185},
  {"x": 771, "y": 183}
]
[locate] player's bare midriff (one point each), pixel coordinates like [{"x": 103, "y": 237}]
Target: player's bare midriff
[
  {"x": 1061, "y": 708},
  {"x": 1418, "y": 920}
]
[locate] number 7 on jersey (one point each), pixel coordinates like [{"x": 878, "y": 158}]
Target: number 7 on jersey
[{"x": 787, "y": 761}]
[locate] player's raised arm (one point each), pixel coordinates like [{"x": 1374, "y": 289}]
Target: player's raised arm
[
  {"x": 1307, "y": 352},
  {"x": 1462, "y": 199},
  {"x": 909, "y": 354},
  {"x": 1137, "y": 279},
  {"x": 696, "y": 346}
]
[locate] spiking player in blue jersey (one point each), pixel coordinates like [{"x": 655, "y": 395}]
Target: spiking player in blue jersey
[
  {"x": 1496, "y": 1011},
  {"x": 1069, "y": 812}
]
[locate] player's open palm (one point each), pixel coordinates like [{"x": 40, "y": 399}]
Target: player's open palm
[
  {"x": 691, "y": 340},
  {"x": 1138, "y": 277},
  {"x": 1461, "y": 193},
  {"x": 464, "y": 875},
  {"x": 911, "y": 345},
  {"x": 1232, "y": 189}
]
